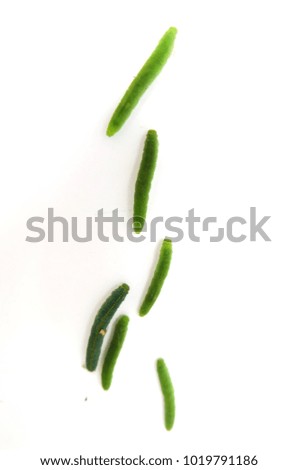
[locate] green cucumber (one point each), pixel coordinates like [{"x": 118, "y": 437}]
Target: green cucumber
[
  {"x": 142, "y": 81},
  {"x": 160, "y": 273},
  {"x": 114, "y": 351},
  {"x": 168, "y": 393},
  {"x": 144, "y": 179}
]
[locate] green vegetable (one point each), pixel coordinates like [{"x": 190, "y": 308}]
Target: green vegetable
[
  {"x": 142, "y": 81},
  {"x": 168, "y": 393},
  {"x": 114, "y": 351},
  {"x": 143, "y": 182},
  {"x": 101, "y": 323},
  {"x": 158, "y": 278}
]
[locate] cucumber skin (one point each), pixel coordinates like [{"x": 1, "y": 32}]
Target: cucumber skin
[
  {"x": 142, "y": 81},
  {"x": 113, "y": 351},
  {"x": 168, "y": 393},
  {"x": 159, "y": 276},
  {"x": 101, "y": 322},
  {"x": 144, "y": 179}
]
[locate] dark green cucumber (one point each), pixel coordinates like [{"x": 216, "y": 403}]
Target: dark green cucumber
[{"x": 101, "y": 322}]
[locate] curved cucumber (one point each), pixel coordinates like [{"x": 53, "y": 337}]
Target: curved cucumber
[
  {"x": 114, "y": 351},
  {"x": 160, "y": 273},
  {"x": 101, "y": 322}
]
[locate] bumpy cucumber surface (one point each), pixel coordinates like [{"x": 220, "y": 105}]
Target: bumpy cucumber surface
[
  {"x": 101, "y": 322},
  {"x": 160, "y": 273},
  {"x": 168, "y": 393},
  {"x": 142, "y": 81},
  {"x": 144, "y": 179},
  {"x": 114, "y": 351}
]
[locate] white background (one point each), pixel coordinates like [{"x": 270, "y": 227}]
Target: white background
[{"x": 225, "y": 108}]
